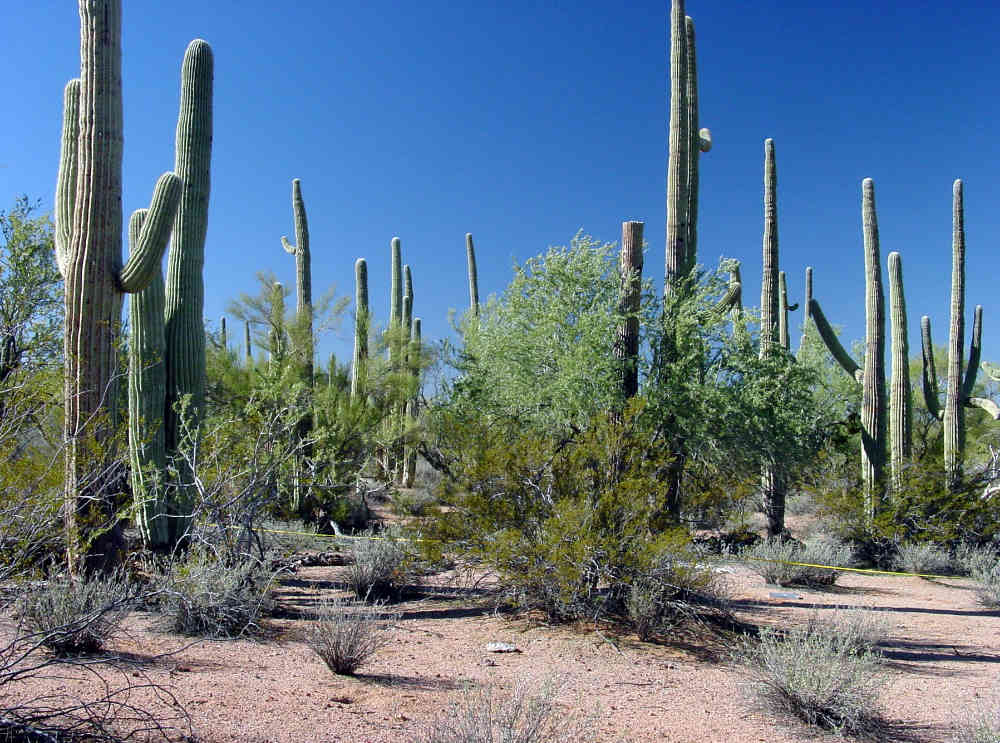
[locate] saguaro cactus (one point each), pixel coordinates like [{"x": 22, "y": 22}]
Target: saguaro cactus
[
  {"x": 359, "y": 362},
  {"x": 88, "y": 250},
  {"x": 247, "y": 348},
  {"x": 959, "y": 392},
  {"x": 806, "y": 311},
  {"x": 626, "y": 347},
  {"x": 900, "y": 411},
  {"x": 473, "y": 275},
  {"x": 223, "y": 337},
  {"x": 685, "y": 144},
  {"x": 872, "y": 378},
  {"x": 413, "y": 359}
]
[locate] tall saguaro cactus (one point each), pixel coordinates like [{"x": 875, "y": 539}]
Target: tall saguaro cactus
[
  {"x": 900, "y": 410},
  {"x": 413, "y": 361},
  {"x": 773, "y": 481},
  {"x": 872, "y": 377},
  {"x": 959, "y": 392},
  {"x": 88, "y": 250},
  {"x": 359, "y": 362},
  {"x": 473, "y": 275},
  {"x": 685, "y": 143}
]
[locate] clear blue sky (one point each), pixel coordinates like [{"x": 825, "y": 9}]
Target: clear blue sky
[{"x": 523, "y": 122}]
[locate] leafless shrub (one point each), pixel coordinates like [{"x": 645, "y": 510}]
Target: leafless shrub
[{"x": 345, "y": 637}]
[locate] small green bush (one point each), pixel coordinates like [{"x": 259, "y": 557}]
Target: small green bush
[
  {"x": 346, "y": 637},
  {"x": 208, "y": 597},
  {"x": 815, "y": 675},
  {"x": 925, "y": 558},
  {"x": 415, "y": 503},
  {"x": 77, "y": 616},
  {"x": 770, "y": 559},
  {"x": 382, "y": 565},
  {"x": 521, "y": 716}
]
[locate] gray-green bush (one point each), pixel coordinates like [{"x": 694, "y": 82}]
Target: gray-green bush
[
  {"x": 345, "y": 637},
  {"x": 814, "y": 674},
  {"x": 770, "y": 559},
  {"x": 924, "y": 558},
  {"x": 381, "y": 567}
]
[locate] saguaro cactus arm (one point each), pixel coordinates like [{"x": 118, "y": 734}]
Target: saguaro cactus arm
[
  {"x": 473, "y": 275},
  {"x": 975, "y": 353},
  {"x": 929, "y": 372},
  {"x": 829, "y": 337},
  {"x": 68, "y": 168},
  {"x": 146, "y": 254}
]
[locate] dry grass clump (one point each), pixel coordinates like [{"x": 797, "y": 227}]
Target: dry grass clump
[
  {"x": 924, "y": 558},
  {"x": 345, "y": 637},
  {"x": 524, "y": 715},
  {"x": 381, "y": 567},
  {"x": 825, "y": 673},
  {"x": 77, "y": 616}
]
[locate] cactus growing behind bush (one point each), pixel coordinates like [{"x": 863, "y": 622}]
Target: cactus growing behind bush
[
  {"x": 959, "y": 392},
  {"x": 360, "y": 358},
  {"x": 88, "y": 249},
  {"x": 473, "y": 275},
  {"x": 872, "y": 378},
  {"x": 900, "y": 411},
  {"x": 626, "y": 348}
]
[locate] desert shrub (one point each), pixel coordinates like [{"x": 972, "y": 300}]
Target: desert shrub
[
  {"x": 970, "y": 559},
  {"x": 415, "y": 503},
  {"x": 770, "y": 559},
  {"x": 523, "y": 715},
  {"x": 814, "y": 674},
  {"x": 857, "y": 628},
  {"x": 382, "y": 565},
  {"x": 77, "y": 616},
  {"x": 345, "y": 637},
  {"x": 988, "y": 590},
  {"x": 209, "y": 597},
  {"x": 675, "y": 588},
  {"x": 925, "y": 558}
]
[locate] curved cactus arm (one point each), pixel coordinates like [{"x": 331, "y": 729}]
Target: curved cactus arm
[
  {"x": 783, "y": 337},
  {"x": 992, "y": 370},
  {"x": 929, "y": 375},
  {"x": 829, "y": 337},
  {"x": 68, "y": 168},
  {"x": 975, "y": 353},
  {"x": 985, "y": 404},
  {"x": 289, "y": 248},
  {"x": 731, "y": 299},
  {"x": 146, "y": 255},
  {"x": 704, "y": 139}
]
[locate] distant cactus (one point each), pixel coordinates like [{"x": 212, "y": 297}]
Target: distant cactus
[
  {"x": 959, "y": 392},
  {"x": 413, "y": 357},
  {"x": 223, "y": 337},
  {"x": 359, "y": 362},
  {"x": 806, "y": 311},
  {"x": 247, "y": 348},
  {"x": 88, "y": 228},
  {"x": 276, "y": 335},
  {"x": 473, "y": 275},
  {"x": 872, "y": 378},
  {"x": 785, "y": 308}
]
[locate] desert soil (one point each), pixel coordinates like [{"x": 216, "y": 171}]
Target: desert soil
[{"x": 943, "y": 658}]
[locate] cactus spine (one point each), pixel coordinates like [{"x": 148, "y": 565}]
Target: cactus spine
[
  {"x": 900, "y": 413},
  {"x": 473, "y": 275},
  {"x": 359, "y": 361},
  {"x": 88, "y": 250},
  {"x": 626, "y": 348},
  {"x": 872, "y": 377}
]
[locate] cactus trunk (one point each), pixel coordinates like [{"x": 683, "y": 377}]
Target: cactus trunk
[
  {"x": 954, "y": 408},
  {"x": 247, "y": 347},
  {"x": 900, "y": 415},
  {"x": 626, "y": 348},
  {"x": 88, "y": 249},
  {"x": 473, "y": 275},
  {"x": 413, "y": 357},
  {"x": 873, "y": 407},
  {"x": 677, "y": 156},
  {"x": 359, "y": 362}
]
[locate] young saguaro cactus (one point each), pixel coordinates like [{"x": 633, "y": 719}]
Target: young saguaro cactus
[
  {"x": 685, "y": 143},
  {"x": 959, "y": 392},
  {"x": 88, "y": 217},
  {"x": 473, "y": 275},
  {"x": 626, "y": 347},
  {"x": 872, "y": 377},
  {"x": 359, "y": 362}
]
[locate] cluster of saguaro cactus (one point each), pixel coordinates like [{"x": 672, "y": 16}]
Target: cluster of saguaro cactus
[
  {"x": 874, "y": 416},
  {"x": 88, "y": 251},
  {"x": 960, "y": 389},
  {"x": 686, "y": 142},
  {"x": 167, "y": 349}
]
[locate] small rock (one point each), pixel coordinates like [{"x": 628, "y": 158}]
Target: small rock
[{"x": 501, "y": 647}]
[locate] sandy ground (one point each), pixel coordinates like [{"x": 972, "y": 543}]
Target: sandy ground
[{"x": 943, "y": 657}]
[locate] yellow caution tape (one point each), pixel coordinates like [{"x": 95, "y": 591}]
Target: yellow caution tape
[{"x": 851, "y": 570}]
